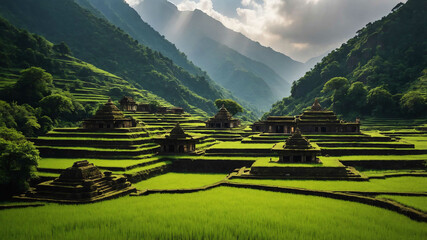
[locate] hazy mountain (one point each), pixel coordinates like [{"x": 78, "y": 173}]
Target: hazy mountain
[
  {"x": 95, "y": 40},
  {"x": 385, "y": 65},
  {"x": 165, "y": 18},
  {"x": 191, "y": 31}
]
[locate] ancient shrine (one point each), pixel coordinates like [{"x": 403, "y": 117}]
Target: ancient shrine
[
  {"x": 128, "y": 104},
  {"x": 318, "y": 120},
  {"x": 223, "y": 119},
  {"x": 297, "y": 149},
  {"x": 108, "y": 117},
  {"x": 177, "y": 142},
  {"x": 315, "y": 120},
  {"x": 81, "y": 183},
  {"x": 143, "y": 107}
]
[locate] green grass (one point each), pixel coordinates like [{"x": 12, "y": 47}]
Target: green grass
[
  {"x": 221, "y": 213},
  {"x": 239, "y": 145},
  {"x": 382, "y": 157},
  {"x": 62, "y": 163},
  {"x": 396, "y": 184},
  {"x": 380, "y": 173},
  {"x": 179, "y": 180},
  {"x": 325, "y": 162},
  {"x": 411, "y": 201}
]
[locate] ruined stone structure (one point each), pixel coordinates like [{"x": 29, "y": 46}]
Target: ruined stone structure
[
  {"x": 177, "y": 142},
  {"x": 143, "y": 107},
  {"x": 108, "y": 117},
  {"x": 81, "y": 183},
  {"x": 176, "y": 110},
  {"x": 315, "y": 120},
  {"x": 223, "y": 119},
  {"x": 128, "y": 104},
  {"x": 297, "y": 149}
]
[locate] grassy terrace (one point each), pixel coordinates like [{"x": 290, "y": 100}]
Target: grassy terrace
[
  {"x": 221, "y": 213},
  {"x": 325, "y": 162},
  {"x": 397, "y": 184},
  {"x": 62, "y": 163},
  {"x": 179, "y": 180},
  {"x": 382, "y": 157},
  {"x": 144, "y": 168},
  {"x": 239, "y": 145},
  {"x": 415, "y": 202}
]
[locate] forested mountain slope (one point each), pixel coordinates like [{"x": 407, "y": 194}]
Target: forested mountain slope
[
  {"x": 95, "y": 40},
  {"x": 204, "y": 40},
  {"x": 381, "y": 71},
  {"x": 42, "y": 85},
  {"x": 125, "y": 17}
]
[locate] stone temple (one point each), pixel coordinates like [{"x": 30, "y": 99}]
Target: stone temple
[
  {"x": 108, "y": 117},
  {"x": 177, "y": 142},
  {"x": 81, "y": 183},
  {"x": 297, "y": 149},
  {"x": 223, "y": 119},
  {"x": 315, "y": 120}
]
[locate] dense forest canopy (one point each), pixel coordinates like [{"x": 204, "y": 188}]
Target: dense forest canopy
[{"x": 381, "y": 71}]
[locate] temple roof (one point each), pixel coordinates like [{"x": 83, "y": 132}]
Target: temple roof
[
  {"x": 109, "y": 112},
  {"x": 316, "y": 106},
  {"x": 178, "y": 132},
  {"x": 297, "y": 141},
  {"x": 81, "y": 170},
  {"x": 127, "y": 99},
  {"x": 223, "y": 113}
]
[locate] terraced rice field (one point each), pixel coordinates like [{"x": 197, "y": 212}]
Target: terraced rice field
[{"x": 221, "y": 213}]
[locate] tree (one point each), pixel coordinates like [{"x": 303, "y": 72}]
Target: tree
[
  {"x": 232, "y": 106},
  {"x": 62, "y": 48},
  {"x": 356, "y": 96},
  {"x": 56, "y": 105},
  {"x": 18, "y": 161},
  {"x": 380, "y": 101},
  {"x": 414, "y": 104},
  {"x": 338, "y": 86},
  {"x": 34, "y": 84}
]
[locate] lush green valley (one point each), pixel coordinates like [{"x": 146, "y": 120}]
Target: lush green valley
[
  {"x": 382, "y": 71},
  {"x": 95, "y": 40}
]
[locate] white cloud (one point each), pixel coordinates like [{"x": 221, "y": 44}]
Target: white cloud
[{"x": 298, "y": 28}]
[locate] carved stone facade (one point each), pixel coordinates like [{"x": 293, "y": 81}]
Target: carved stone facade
[
  {"x": 128, "y": 104},
  {"x": 297, "y": 149},
  {"x": 223, "y": 119},
  {"x": 177, "y": 142},
  {"x": 315, "y": 120},
  {"x": 108, "y": 117},
  {"x": 81, "y": 183}
]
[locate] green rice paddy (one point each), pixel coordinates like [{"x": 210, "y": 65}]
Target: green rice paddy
[
  {"x": 396, "y": 184},
  {"x": 411, "y": 201},
  {"x": 221, "y": 213}
]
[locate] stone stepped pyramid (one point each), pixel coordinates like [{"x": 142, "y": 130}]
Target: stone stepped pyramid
[{"x": 81, "y": 183}]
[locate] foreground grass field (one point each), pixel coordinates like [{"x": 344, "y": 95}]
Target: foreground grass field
[
  {"x": 397, "y": 184},
  {"x": 179, "y": 180},
  {"x": 221, "y": 213}
]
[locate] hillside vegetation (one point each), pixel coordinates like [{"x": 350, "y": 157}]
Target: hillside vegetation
[
  {"x": 43, "y": 86},
  {"x": 95, "y": 40},
  {"x": 381, "y": 71}
]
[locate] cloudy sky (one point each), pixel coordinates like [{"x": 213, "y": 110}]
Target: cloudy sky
[{"x": 300, "y": 29}]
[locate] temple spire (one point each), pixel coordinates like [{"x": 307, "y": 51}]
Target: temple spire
[{"x": 316, "y": 106}]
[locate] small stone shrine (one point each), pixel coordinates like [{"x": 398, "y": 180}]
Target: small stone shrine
[
  {"x": 81, "y": 183},
  {"x": 128, "y": 104},
  {"x": 297, "y": 149},
  {"x": 223, "y": 119},
  {"x": 108, "y": 117},
  {"x": 177, "y": 142}
]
